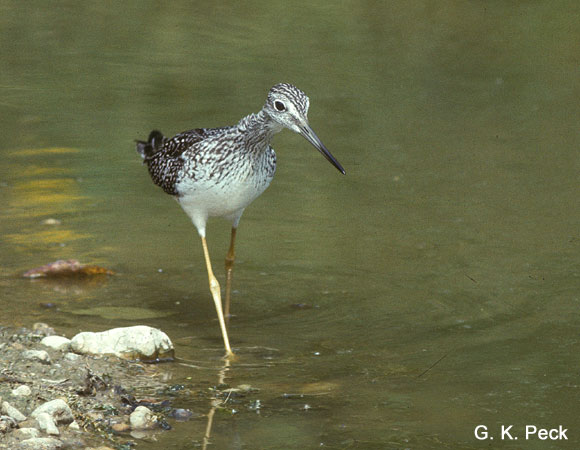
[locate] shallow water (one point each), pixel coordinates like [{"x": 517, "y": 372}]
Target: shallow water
[{"x": 432, "y": 289}]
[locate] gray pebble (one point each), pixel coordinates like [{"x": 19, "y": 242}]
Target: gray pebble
[
  {"x": 46, "y": 424},
  {"x": 37, "y": 355},
  {"x": 21, "y": 391},
  {"x": 11, "y": 411}
]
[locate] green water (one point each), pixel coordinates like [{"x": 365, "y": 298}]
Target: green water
[{"x": 440, "y": 276}]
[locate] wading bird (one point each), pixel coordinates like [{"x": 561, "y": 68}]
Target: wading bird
[{"x": 218, "y": 172}]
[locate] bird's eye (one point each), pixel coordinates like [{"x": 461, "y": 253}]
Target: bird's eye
[{"x": 279, "y": 106}]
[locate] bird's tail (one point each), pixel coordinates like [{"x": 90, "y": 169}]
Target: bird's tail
[{"x": 152, "y": 146}]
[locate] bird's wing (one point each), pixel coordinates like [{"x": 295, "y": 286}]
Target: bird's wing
[
  {"x": 175, "y": 146},
  {"x": 163, "y": 156}
]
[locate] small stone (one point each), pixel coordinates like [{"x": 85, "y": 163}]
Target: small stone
[
  {"x": 26, "y": 433},
  {"x": 120, "y": 427},
  {"x": 181, "y": 415},
  {"x": 56, "y": 342},
  {"x": 11, "y": 411},
  {"x": 41, "y": 444},
  {"x": 74, "y": 426},
  {"x": 138, "y": 342},
  {"x": 21, "y": 391},
  {"x": 71, "y": 357},
  {"x": 57, "y": 409},
  {"x": 42, "y": 329},
  {"x": 51, "y": 221},
  {"x": 46, "y": 423},
  {"x": 37, "y": 355},
  {"x": 142, "y": 419}
]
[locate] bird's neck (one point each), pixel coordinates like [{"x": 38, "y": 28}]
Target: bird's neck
[{"x": 258, "y": 129}]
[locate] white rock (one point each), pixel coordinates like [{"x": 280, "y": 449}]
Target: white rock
[
  {"x": 74, "y": 426},
  {"x": 138, "y": 342},
  {"x": 41, "y": 444},
  {"x": 26, "y": 433},
  {"x": 21, "y": 391},
  {"x": 56, "y": 342},
  {"x": 57, "y": 409},
  {"x": 11, "y": 411},
  {"x": 46, "y": 423},
  {"x": 37, "y": 355},
  {"x": 142, "y": 418}
]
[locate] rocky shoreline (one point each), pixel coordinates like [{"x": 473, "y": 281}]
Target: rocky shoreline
[{"x": 54, "y": 398}]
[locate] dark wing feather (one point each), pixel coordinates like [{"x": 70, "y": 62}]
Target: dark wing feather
[{"x": 163, "y": 156}]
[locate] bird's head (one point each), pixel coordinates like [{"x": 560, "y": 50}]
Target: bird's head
[{"x": 288, "y": 107}]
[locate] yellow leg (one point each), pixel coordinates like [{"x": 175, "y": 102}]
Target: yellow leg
[
  {"x": 214, "y": 288},
  {"x": 230, "y": 258}
]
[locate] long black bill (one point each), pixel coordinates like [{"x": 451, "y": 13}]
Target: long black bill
[{"x": 310, "y": 135}]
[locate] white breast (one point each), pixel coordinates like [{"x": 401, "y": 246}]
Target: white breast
[{"x": 228, "y": 196}]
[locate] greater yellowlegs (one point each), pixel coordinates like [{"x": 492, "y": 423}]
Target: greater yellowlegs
[{"x": 218, "y": 172}]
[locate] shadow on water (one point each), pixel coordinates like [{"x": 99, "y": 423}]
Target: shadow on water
[{"x": 431, "y": 290}]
